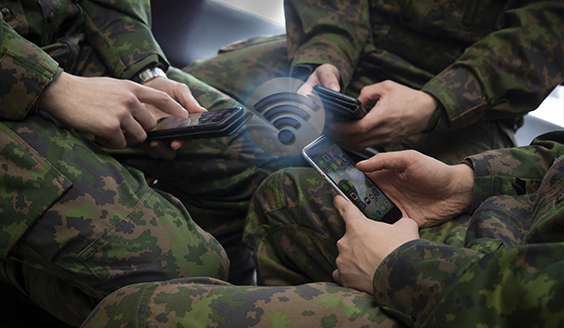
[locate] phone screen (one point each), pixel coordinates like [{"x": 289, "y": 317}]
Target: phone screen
[{"x": 336, "y": 165}]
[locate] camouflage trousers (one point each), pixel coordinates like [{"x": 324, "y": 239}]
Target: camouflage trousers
[
  {"x": 241, "y": 68},
  {"x": 111, "y": 229},
  {"x": 292, "y": 229}
]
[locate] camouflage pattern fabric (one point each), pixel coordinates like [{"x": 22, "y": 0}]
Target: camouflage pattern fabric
[
  {"x": 83, "y": 223},
  {"x": 488, "y": 62},
  {"x": 206, "y": 302},
  {"x": 499, "y": 265}
]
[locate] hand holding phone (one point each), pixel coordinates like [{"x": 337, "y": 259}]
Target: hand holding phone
[
  {"x": 343, "y": 106},
  {"x": 217, "y": 123},
  {"x": 337, "y": 168}
]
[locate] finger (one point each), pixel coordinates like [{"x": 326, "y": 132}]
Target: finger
[
  {"x": 398, "y": 160},
  {"x": 182, "y": 145},
  {"x": 157, "y": 149},
  {"x": 336, "y": 276},
  {"x": 161, "y": 100},
  {"x": 347, "y": 209},
  {"x": 369, "y": 93},
  {"x": 186, "y": 99},
  {"x": 144, "y": 117},
  {"x": 116, "y": 141},
  {"x": 329, "y": 80},
  {"x": 133, "y": 130},
  {"x": 344, "y": 128},
  {"x": 306, "y": 88},
  {"x": 328, "y": 76}
]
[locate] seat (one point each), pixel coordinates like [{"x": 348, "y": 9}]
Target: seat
[{"x": 190, "y": 30}]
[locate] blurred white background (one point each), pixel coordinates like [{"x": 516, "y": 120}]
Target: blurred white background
[{"x": 552, "y": 109}]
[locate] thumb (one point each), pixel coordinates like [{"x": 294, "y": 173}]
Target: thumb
[
  {"x": 336, "y": 276},
  {"x": 330, "y": 81},
  {"x": 347, "y": 209}
]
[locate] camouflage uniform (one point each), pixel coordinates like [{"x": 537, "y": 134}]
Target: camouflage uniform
[
  {"x": 487, "y": 62},
  {"x": 82, "y": 223},
  {"x": 499, "y": 265}
]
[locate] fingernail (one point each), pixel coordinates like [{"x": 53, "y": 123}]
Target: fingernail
[
  {"x": 153, "y": 144},
  {"x": 175, "y": 147}
]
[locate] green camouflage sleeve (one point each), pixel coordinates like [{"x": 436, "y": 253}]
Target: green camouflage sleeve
[
  {"x": 327, "y": 31},
  {"x": 514, "y": 171},
  {"x": 508, "y": 72},
  {"x": 428, "y": 284},
  {"x": 120, "y": 31},
  {"x": 25, "y": 70}
]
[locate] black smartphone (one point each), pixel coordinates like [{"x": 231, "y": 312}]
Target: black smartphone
[
  {"x": 217, "y": 123},
  {"x": 340, "y": 171},
  {"x": 342, "y": 105}
]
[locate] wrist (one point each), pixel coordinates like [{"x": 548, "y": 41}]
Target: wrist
[
  {"x": 149, "y": 74},
  {"x": 464, "y": 185}
]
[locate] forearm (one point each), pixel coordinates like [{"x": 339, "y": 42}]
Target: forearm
[
  {"x": 514, "y": 171},
  {"x": 429, "y": 284},
  {"x": 508, "y": 72},
  {"x": 121, "y": 34},
  {"x": 320, "y": 33},
  {"x": 25, "y": 71}
]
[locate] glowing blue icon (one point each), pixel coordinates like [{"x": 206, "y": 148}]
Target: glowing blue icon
[{"x": 271, "y": 112}]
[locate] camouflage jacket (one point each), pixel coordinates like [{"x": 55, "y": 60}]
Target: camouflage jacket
[
  {"x": 482, "y": 59},
  {"x": 433, "y": 284},
  {"x": 38, "y": 37}
]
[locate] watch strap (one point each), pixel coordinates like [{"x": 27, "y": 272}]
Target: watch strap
[{"x": 149, "y": 74}]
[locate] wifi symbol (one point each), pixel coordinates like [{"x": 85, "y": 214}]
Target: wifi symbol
[{"x": 272, "y": 111}]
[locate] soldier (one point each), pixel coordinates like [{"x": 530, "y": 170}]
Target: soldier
[
  {"x": 451, "y": 78},
  {"x": 77, "y": 223},
  {"x": 504, "y": 268}
]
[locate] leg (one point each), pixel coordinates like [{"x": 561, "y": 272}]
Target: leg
[
  {"x": 109, "y": 229},
  {"x": 216, "y": 178},
  {"x": 240, "y": 70},
  {"x": 211, "y": 303},
  {"x": 292, "y": 228}
]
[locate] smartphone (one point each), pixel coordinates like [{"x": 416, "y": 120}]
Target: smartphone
[
  {"x": 343, "y": 106},
  {"x": 340, "y": 171},
  {"x": 217, "y": 123}
]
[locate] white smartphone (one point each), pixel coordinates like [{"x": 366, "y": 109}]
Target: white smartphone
[{"x": 340, "y": 171}]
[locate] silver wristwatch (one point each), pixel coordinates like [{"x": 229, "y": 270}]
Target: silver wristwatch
[{"x": 149, "y": 74}]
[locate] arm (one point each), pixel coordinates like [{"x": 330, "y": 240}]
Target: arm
[
  {"x": 25, "y": 71},
  {"x": 120, "y": 32},
  {"x": 326, "y": 32},
  {"x": 457, "y": 287},
  {"x": 507, "y": 72},
  {"x": 514, "y": 171},
  {"x": 431, "y": 284}
]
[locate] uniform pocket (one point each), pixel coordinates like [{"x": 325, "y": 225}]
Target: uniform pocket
[{"x": 29, "y": 185}]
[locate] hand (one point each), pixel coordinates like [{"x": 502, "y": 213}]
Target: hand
[
  {"x": 181, "y": 93},
  {"x": 365, "y": 245},
  {"x": 425, "y": 189},
  {"x": 326, "y": 75},
  {"x": 399, "y": 113},
  {"x": 113, "y": 110},
  {"x": 177, "y": 91}
]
